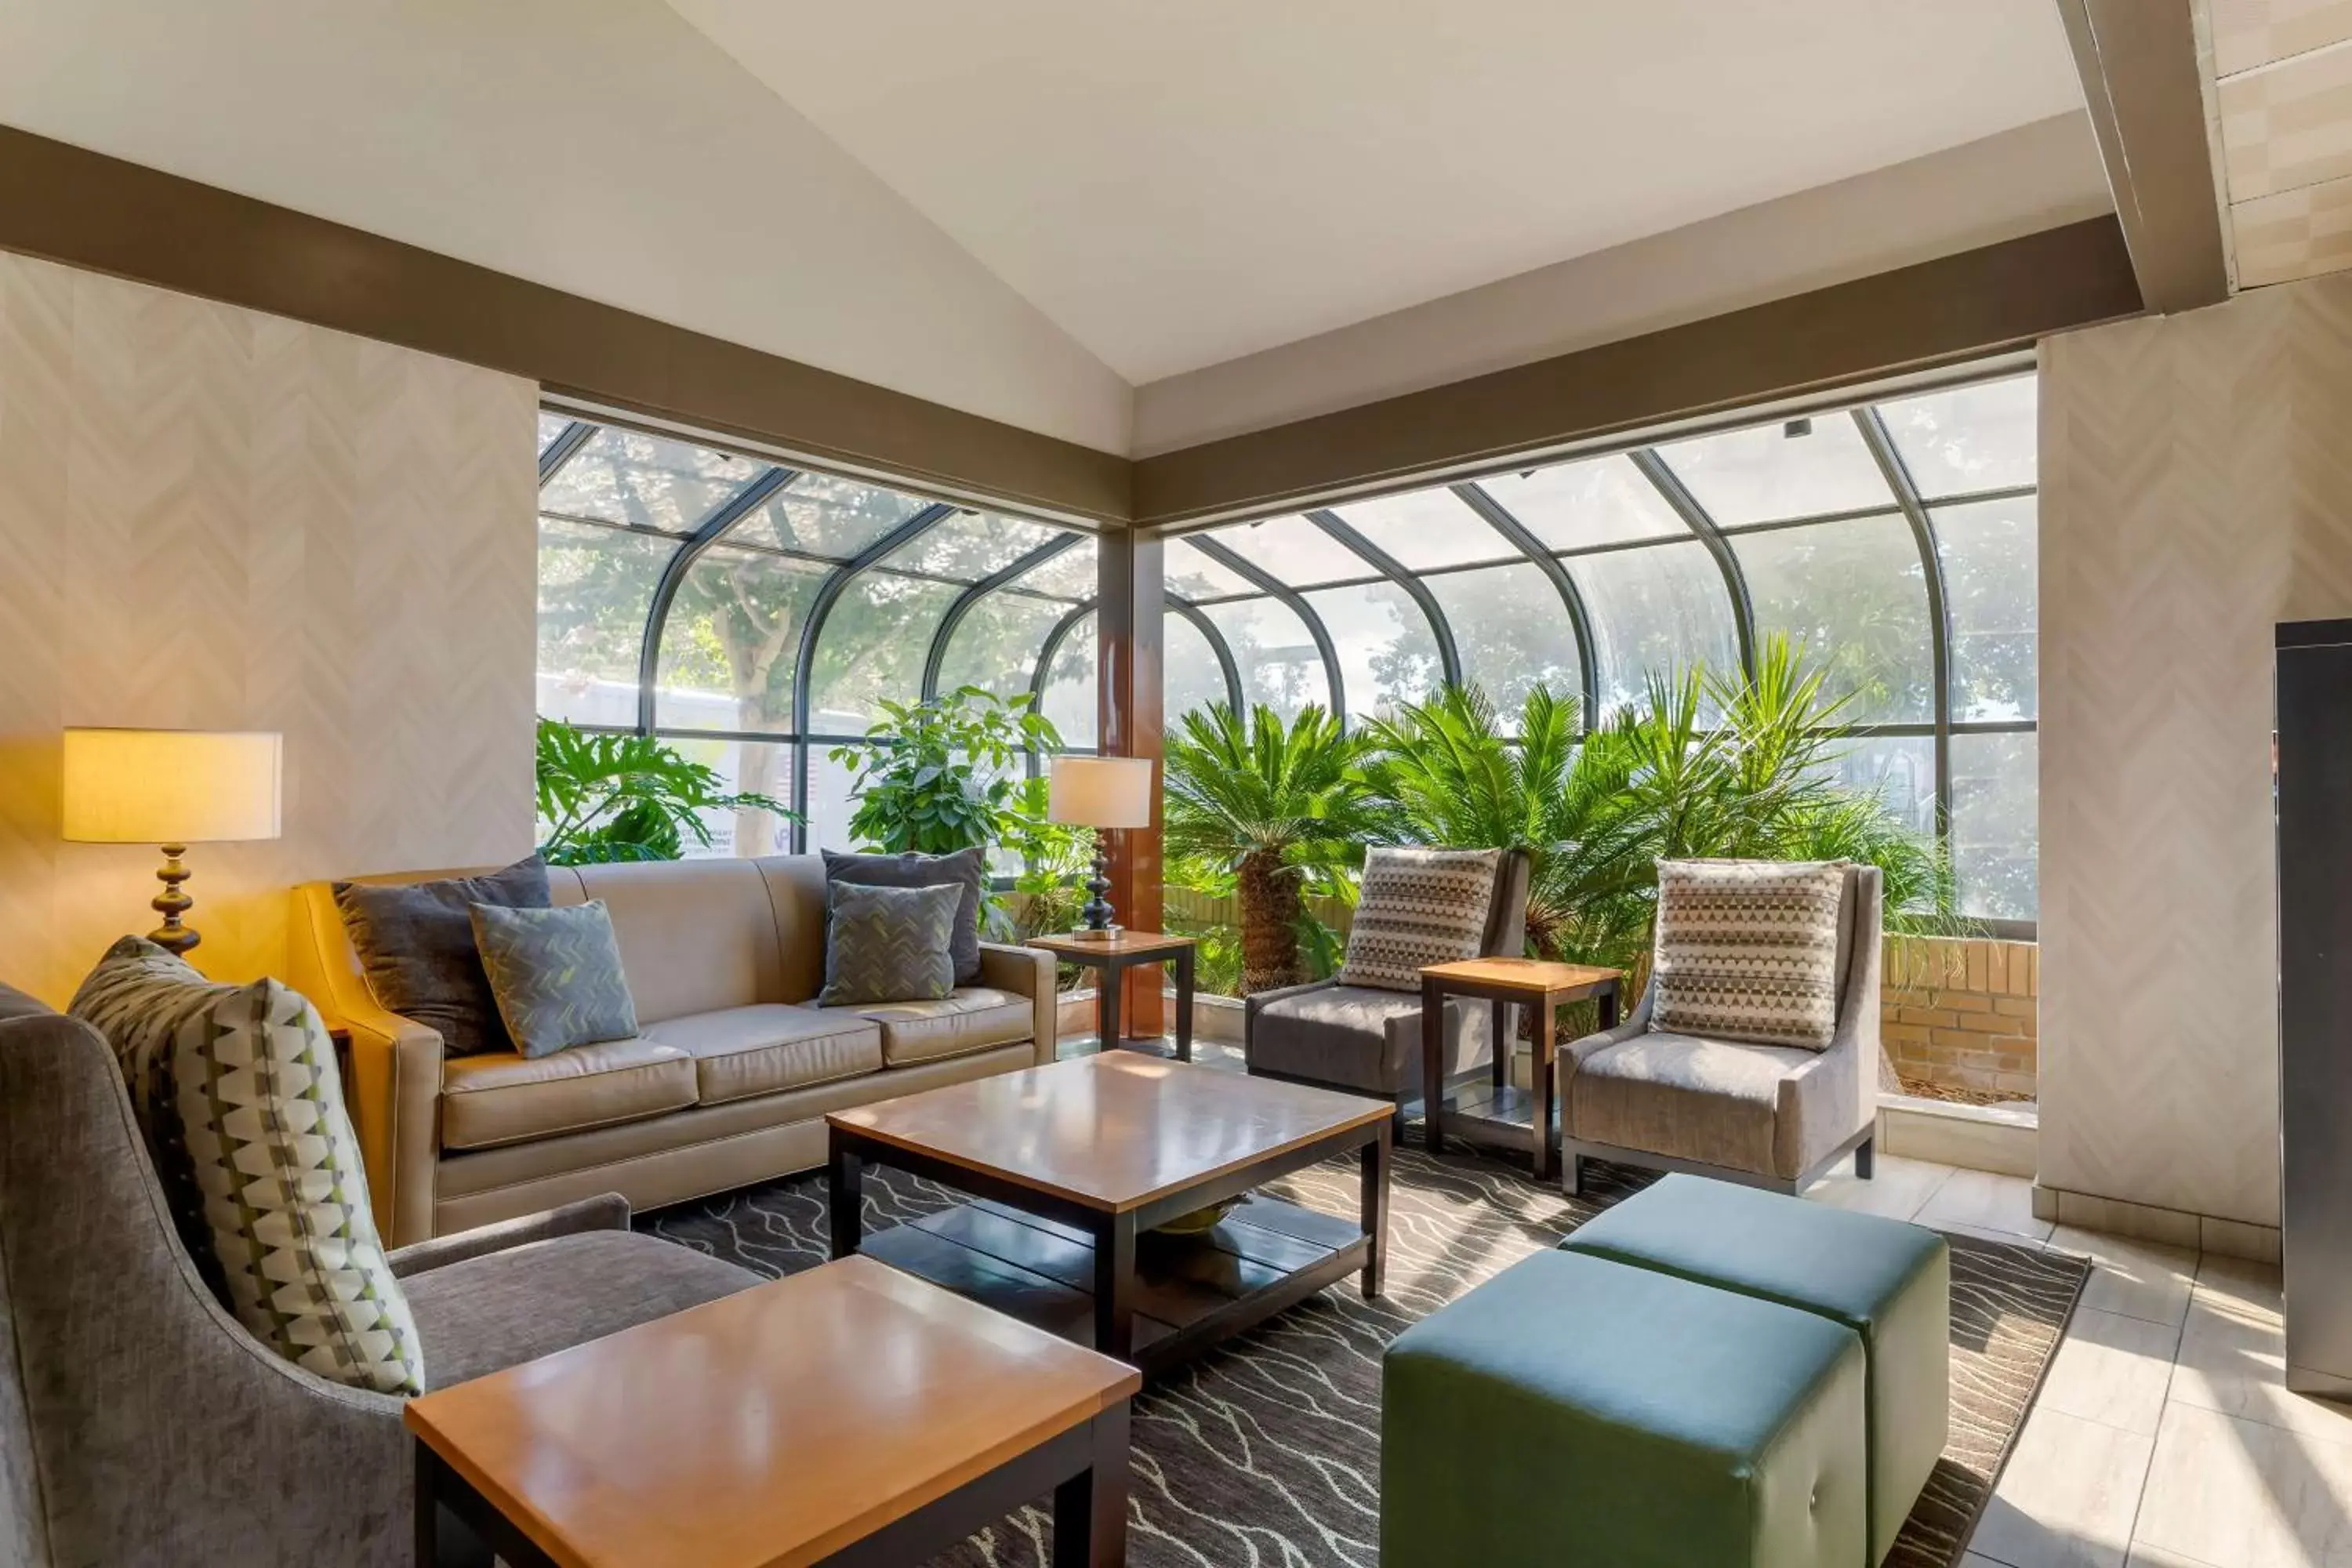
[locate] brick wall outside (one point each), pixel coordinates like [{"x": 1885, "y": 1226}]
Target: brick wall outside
[{"x": 1960, "y": 1013}]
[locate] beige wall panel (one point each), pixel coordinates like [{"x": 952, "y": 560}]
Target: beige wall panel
[
  {"x": 2196, "y": 490},
  {"x": 2251, "y": 33},
  {"x": 216, "y": 519},
  {"x": 2289, "y": 126},
  {"x": 2296, "y": 234}
]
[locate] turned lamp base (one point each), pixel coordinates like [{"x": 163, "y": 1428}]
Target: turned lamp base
[{"x": 172, "y": 936}]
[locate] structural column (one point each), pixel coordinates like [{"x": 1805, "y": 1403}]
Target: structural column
[{"x": 1127, "y": 696}]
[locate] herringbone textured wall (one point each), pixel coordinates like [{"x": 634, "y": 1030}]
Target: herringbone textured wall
[
  {"x": 215, "y": 519},
  {"x": 2196, "y": 490}
]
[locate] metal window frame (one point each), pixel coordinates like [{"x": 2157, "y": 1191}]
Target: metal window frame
[
  {"x": 1449, "y": 660},
  {"x": 936, "y": 656},
  {"x": 1571, "y": 597},
  {"x": 1274, "y": 588},
  {"x": 1217, "y": 645},
  {"x": 1891, "y": 467},
  {"x": 708, "y": 532},
  {"x": 1686, "y": 505}
]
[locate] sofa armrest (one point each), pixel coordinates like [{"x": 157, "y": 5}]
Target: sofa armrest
[
  {"x": 1634, "y": 1025},
  {"x": 1026, "y": 972},
  {"x": 606, "y": 1211},
  {"x": 1836, "y": 1095},
  {"x": 394, "y": 1097},
  {"x": 1252, "y": 1005}
]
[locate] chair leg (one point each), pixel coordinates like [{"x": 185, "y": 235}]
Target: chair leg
[
  {"x": 1862, "y": 1158},
  {"x": 1568, "y": 1161}
]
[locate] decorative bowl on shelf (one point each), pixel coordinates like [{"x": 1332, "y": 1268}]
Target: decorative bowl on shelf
[{"x": 1199, "y": 1220}]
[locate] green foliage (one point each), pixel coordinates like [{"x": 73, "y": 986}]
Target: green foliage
[
  {"x": 625, "y": 797},
  {"x": 1054, "y": 859},
  {"x": 940, "y": 775}
]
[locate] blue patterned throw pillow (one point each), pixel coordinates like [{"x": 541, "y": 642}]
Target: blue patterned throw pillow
[
  {"x": 556, "y": 974},
  {"x": 888, "y": 944}
]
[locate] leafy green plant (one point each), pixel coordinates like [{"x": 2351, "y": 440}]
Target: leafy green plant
[
  {"x": 627, "y": 797},
  {"x": 943, "y": 775},
  {"x": 1046, "y": 894},
  {"x": 1280, "y": 807}
]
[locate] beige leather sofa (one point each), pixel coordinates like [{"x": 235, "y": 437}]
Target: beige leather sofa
[{"x": 727, "y": 1084}]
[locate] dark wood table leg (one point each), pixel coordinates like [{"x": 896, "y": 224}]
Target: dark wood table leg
[
  {"x": 844, "y": 1190},
  {"x": 1184, "y": 1005},
  {"x": 1501, "y": 1012},
  {"x": 1115, "y": 1287},
  {"x": 1607, "y": 1001},
  {"x": 1090, "y": 1507},
  {"x": 429, "y": 1507},
  {"x": 1374, "y": 1211},
  {"x": 1541, "y": 1078},
  {"x": 1114, "y": 981},
  {"x": 1433, "y": 1065}
]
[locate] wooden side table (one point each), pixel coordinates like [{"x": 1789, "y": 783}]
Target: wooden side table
[
  {"x": 848, "y": 1415},
  {"x": 1533, "y": 982},
  {"x": 1114, "y": 956}
]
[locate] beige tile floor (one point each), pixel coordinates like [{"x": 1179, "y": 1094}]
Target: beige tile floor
[{"x": 2165, "y": 1437}]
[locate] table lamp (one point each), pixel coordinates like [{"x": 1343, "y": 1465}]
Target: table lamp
[
  {"x": 1099, "y": 792},
  {"x": 172, "y": 788}
]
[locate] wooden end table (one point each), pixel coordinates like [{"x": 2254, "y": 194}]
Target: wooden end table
[
  {"x": 1504, "y": 1115},
  {"x": 1114, "y": 956},
  {"x": 852, "y": 1414},
  {"x": 1077, "y": 1165}
]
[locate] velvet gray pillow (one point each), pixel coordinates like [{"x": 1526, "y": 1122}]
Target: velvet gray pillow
[
  {"x": 888, "y": 944},
  {"x": 966, "y": 869},
  {"x": 556, "y": 974},
  {"x": 415, "y": 943}
]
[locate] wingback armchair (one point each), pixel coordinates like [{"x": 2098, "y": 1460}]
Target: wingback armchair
[
  {"x": 1368, "y": 1041},
  {"x": 1767, "y": 1116},
  {"x": 139, "y": 1422}
]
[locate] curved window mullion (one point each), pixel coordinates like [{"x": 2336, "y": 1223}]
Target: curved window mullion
[
  {"x": 1449, "y": 660},
  {"x": 1580, "y": 621},
  {"x": 563, "y": 449},
  {"x": 937, "y": 656},
  {"x": 1045, "y": 655},
  {"x": 1218, "y": 646},
  {"x": 1290, "y": 597},
  {"x": 706, "y": 534},
  {"x": 1735, "y": 582},
  {"x": 805, "y": 661},
  {"x": 1939, "y": 618}
]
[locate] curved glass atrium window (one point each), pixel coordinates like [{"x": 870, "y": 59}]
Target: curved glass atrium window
[
  {"x": 1894, "y": 540},
  {"x": 756, "y": 616}
]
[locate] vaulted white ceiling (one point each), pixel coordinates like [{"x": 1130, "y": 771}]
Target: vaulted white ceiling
[
  {"x": 1181, "y": 184},
  {"x": 1028, "y": 208}
]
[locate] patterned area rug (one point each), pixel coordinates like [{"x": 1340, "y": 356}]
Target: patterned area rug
[{"x": 1266, "y": 1454}]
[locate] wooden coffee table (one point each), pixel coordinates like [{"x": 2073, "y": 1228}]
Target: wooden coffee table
[
  {"x": 848, "y": 1415},
  {"x": 1077, "y": 1163}
]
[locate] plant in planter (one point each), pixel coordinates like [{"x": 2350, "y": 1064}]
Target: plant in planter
[
  {"x": 627, "y": 797},
  {"x": 943, "y": 775},
  {"x": 1278, "y": 806}
]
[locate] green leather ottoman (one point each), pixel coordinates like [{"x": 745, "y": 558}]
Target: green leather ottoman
[
  {"x": 1575, "y": 1413},
  {"x": 1888, "y": 1281}
]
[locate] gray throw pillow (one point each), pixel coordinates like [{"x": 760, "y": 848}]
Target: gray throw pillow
[
  {"x": 966, "y": 869},
  {"x": 556, "y": 974},
  {"x": 888, "y": 944},
  {"x": 415, "y": 943}
]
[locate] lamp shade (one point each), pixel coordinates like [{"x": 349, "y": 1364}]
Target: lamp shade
[
  {"x": 170, "y": 786},
  {"x": 1100, "y": 791}
]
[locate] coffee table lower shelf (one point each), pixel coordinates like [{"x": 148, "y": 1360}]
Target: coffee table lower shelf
[{"x": 1190, "y": 1290}]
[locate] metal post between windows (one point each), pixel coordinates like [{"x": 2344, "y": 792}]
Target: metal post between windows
[
  {"x": 1449, "y": 660},
  {"x": 707, "y": 532},
  {"x": 1735, "y": 580},
  {"x": 1571, "y": 598},
  {"x": 1217, "y": 645},
  {"x": 1250, "y": 572},
  {"x": 964, "y": 603}
]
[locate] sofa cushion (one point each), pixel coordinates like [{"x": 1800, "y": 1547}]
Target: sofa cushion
[
  {"x": 1418, "y": 907},
  {"x": 556, "y": 974},
  {"x": 416, "y": 944},
  {"x": 258, "y": 1139},
  {"x": 696, "y": 935},
  {"x": 1748, "y": 950},
  {"x": 745, "y": 1051},
  {"x": 888, "y": 944},
  {"x": 1716, "y": 1101},
  {"x": 969, "y": 1018},
  {"x": 965, "y": 869},
  {"x": 485, "y": 1315},
  {"x": 1359, "y": 1037},
  {"x": 505, "y": 1097}
]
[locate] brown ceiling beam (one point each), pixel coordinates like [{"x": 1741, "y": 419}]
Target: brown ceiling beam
[
  {"x": 2137, "y": 59},
  {"x": 67, "y": 205},
  {"x": 1944, "y": 311}
]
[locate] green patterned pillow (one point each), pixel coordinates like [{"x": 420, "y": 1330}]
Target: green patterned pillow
[
  {"x": 556, "y": 974},
  {"x": 888, "y": 944},
  {"x": 239, "y": 1084}
]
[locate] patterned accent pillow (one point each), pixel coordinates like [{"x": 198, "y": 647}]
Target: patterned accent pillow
[
  {"x": 416, "y": 942},
  {"x": 888, "y": 944},
  {"x": 967, "y": 868},
  {"x": 243, "y": 1082},
  {"x": 556, "y": 974},
  {"x": 1747, "y": 950},
  {"x": 1418, "y": 907}
]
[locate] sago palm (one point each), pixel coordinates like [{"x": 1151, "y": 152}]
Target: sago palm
[{"x": 1275, "y": 803}]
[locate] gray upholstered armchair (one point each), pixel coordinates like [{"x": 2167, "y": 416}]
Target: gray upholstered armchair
[
  {"x": 140, "y": 1423},
  {"x": 1767, "y": 1116},
  {"x": 1369, "y": 1042}
]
